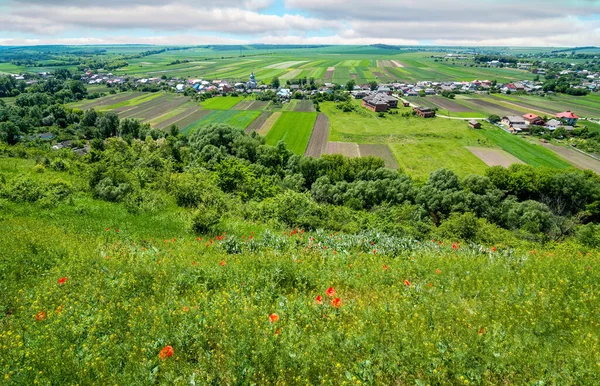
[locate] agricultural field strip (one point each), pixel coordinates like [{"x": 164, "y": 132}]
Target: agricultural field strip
[
  {"x": 190, "y": 119},
  {"x": 269, "y": 123},
  {"x": 380, "y": 151},
  {"x": 494, "y": 157},
  {"x": 105, "y": 101},
  {"x": 317, "y": 144},
  {"x": 294, "y": 129},
  {"x": 178, "y": 117},
  {"x": 158, "y": 108},
  {"x": 579, "y": 160},
  {"x": 258, "y": 122},
  {"x": 347, "y": 149}
]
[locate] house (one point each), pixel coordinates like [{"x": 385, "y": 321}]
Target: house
[
  {"x": 570, "y": 118},
  {"x": 384, "y": 90},
  {"x": 533, "y": 120},
  {"x": 424, "y": 112},
  {"x": 553, "y": 124},
  {"x": 380, "y": 102},
  {"x": 515, "y": 123},
  {"x": 475, "y": 124},
  {"x": 180, "y": 88},
  {"x": 406, "y": 104}
]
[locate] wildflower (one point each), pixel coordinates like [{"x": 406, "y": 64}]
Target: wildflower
[
  {"x": 407, "y": 283},
  {"x": 116, "y": 231},
  {"x": 386, "y": 268},
  {"x": 319, "y": 299},
  {"x": 107, "y": 229},
  {"x": 429, "y": 285},
  {"x": 185, "y": 309},
  {"x": 493, "y": 249},
  {"x": 330, "y": 291},
  {"x": 193, "y": 263},
  {"x": 336, "y": 303},
  {"x": 481, "y": 331},
  {"x": 273, "y": 318},
  {"x": 438, "y": 271},
  {"x": 222, "y": 263},
  {"x": 166, "y": 352},
  {"x": 40, "y": 316},
  {"x": 454, "y": 246},
  {"x": 62, "y": 280},
  {"x": 59, "y": 309},
  {"x": 278, "y": 332},
  {"x": 374, "y": 251}
]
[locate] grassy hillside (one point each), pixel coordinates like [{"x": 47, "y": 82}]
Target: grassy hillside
[{"x": 215, "y": 258}]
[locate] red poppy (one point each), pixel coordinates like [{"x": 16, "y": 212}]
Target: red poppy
[
  {"x": 407, "y": 283},
  {"x": 319, "y": 299},
  {"x": 116, "y": 231},
  {"x": 493, "y": 249},
  {"x": 185, "y": 309},
  {"x": 481, "y": 331},
  {"x": 62, "y": 280},
  {"x": 454, "y": 246},
  {"x": 374, "y": 251},
  {"x": 337, "y": 303},
  {"x": 429, "y": 285},
  {"x": 438, "y": 271},
  {"x": 330, "y": 291},
  {"x": 222, "y": 263},
  {"x": 166, "y": 352},
  {"x": 40, "y": 316},
  {"x": 107, "y": 229},
  {"x": 273, "y": 318},
  {"x": 386, "y": 268}
]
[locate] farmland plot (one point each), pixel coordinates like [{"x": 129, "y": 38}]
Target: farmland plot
[
  {"x": 106, "y": 101},
  {"x": 317, "y": 145},
  {"x": 294, "y": 129},
  {"x": 239, "y": 119},
  {"x": 347, "y": 149},
  {"x": 495, "y": 157},
  {"x": 185, "y": 124},
  {"x": 381, "y": 151},
  {"x": 305, "y": 106},
  {"x": 221, "y": 103},
  {"x": 258, "y": 122},
  {"x": 269, "y": 123},
  {"x": 154, "y": 108},
  {"x": 178, "y": 118}
]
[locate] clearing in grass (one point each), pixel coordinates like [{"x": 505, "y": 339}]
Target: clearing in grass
[{"x": 294, "y": 129}]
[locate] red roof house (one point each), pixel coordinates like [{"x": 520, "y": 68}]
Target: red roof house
[{"x": 568, "y": 117}]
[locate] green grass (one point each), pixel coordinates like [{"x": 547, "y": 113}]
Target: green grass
[
  {"x": 527, "y": 152},
  {"x": 411, "y": 313},
  {"x": 239, "y": 119},
  {"x": 420, "y": 146},
  {"x": 221, "y": 103},
  {"x": 294, "y": 128}
]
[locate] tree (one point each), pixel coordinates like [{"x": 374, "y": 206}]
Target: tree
[
  {"x": 108, "y": 124},
  {"x": 373, "y": 85},
  {"x": 275, "y": 82},
  {"x": 9, "y": 132},
  {"x": 494, "y": 119},
  {"x": 350, "y": 85}
]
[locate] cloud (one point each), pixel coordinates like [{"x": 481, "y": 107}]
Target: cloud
[{"x": 476, "y": 22}]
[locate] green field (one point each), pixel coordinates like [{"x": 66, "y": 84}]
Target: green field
[
  {"x": 221, "y": 103},
  {"x": 239, "y": 119},
  {"x": 533, "y": 154},
  {"x": 294, "y": 129}
]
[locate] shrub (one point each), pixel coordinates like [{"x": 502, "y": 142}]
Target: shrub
[{"x": 205, "y": 220}]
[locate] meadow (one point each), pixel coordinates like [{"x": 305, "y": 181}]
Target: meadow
[
  {"x": 294, "y": 128},
  {"x": 92, "y": 293}
]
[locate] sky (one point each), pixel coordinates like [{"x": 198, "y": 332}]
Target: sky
[{"x": 532, "y": 23}]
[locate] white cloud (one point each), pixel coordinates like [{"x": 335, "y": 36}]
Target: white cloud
[{"x": 460, "y": 22}]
